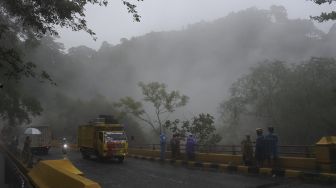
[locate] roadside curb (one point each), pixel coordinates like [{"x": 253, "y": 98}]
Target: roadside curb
[{"x": 287, "y": 173}]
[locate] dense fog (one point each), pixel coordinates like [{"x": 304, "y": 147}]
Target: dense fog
[{"x": 201, "y": 61}]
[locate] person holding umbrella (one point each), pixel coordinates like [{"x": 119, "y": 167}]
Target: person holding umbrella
[{"x": 26, "y": 150}]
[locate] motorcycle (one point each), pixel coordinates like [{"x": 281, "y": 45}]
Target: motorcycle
[{"x": 64, "y": 147}]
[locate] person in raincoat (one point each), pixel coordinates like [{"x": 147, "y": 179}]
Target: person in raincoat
[
  {"x": 190, "y": 147},
  {"x": 162, "y": 146},
  {"x": 260, "y": 148},
  {"x": 177, "y": 149},
  {"x": 173, "y": 146},
  {"x": 272, "y": 146},
  {"x": 247, "y": 150},
  {"x": 26, "y": 153}
]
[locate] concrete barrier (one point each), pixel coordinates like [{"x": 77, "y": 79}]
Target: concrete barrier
[
  {"x": 59, "y": 173},
  {"x": 285, "y": 162}
]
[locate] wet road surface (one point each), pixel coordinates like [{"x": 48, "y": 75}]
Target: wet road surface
[{"x": 142, "y": 173}]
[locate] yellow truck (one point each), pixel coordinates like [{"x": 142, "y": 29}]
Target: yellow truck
[{"x": 104, "y": 138}]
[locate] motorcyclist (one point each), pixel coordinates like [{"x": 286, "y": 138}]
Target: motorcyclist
[{"x": 64, "y": 146}]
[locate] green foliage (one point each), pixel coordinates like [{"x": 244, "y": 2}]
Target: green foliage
[
  {"x": 64, "y": 114},
  {"x": 290, "y": 97},
  {"x": 130, "y": 106},
  {"x": 41, "y": 17},
  {"x": 12, "y": 66},
  {"x": 31, "y": 20},
  {"x": 162, "y": 101},
  {"x": 16, "y": 106},
  {"x": 22, "y": 24},
  {"x": 201, "y": 126},
  {"x": 324, "y": 15}
]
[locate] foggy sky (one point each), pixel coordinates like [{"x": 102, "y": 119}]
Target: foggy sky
[{"x": 113, "y": 22}]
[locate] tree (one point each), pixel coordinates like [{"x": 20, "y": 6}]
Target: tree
[
  {"x": 297, "y": 99},
  {"x": 201, "y": 126},
  {"x": 22, "y": 24},
  {"x": 17, "y": 106},
  {"x": 30, "y": 20},
  {"x": 324, "y": 15},
  {"x": 163, "y": 102}
]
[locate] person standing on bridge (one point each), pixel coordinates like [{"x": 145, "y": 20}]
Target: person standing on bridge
[
  {"x": 162, "y": 146},
  {"x": 272, "y": 146},
  {"x": 190, "y": 147},
  {"x": 247, "y": 150},
  {"x": 173, "y": 146},
  {"x": 178, "y": 152},
  {"x": 26, "y": 153},
  {"x": 14, "y": 144},
  {"x": 260, "y": 148}
]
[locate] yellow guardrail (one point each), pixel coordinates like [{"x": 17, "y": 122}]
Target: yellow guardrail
[
  {"x": 59, "y": 173},
  {"x": 285, "y": 162}
]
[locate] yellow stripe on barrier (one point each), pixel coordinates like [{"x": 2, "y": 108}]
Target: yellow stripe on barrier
[
  {"x": 59, "y": 173},
  {"x": 285, "y": 162},
  {"x": 328, "y": 175},
  {"x": 223, "y": 167},
  {"x": 243, "y": 169},
  {"x": 191, "y": 163},
  {"x": 206, "y": 165},
  {"x": 267, "y": 171},
  {"x": 178, "y": 162},
  {"x": 292, "y": 173}
]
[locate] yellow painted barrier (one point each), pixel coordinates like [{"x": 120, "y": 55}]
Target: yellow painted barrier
[
  {"x": 285, "y": 162},
  {"x": 243, "y": 169},
  {"x": 65, "y": 165},
  {"x": 266, "y": 171},
  {"x": 292, "y": 173},
  {"x": 59, "y": 173},
  {"x": 298, "y": 163},
  {"x": 219, "y": 158}
]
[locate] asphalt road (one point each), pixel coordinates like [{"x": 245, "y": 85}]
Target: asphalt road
[{"x": 139, "y": 173}]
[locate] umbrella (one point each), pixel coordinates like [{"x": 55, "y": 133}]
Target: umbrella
[{"x": 32, "y": 131}]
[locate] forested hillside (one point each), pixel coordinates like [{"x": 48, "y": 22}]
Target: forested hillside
[{"x": 202, "y": 61}]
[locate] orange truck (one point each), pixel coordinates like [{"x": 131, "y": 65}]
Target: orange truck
[{"x": 103, "y": 138}]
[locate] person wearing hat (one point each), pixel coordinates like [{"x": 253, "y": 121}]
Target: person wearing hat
[
  {"x": 247, "y": 150},
  {"x": 260, "y": 148},
  {"x": 272, "y": 146}
]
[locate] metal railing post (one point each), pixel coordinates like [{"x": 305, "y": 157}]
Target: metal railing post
[
  {"x": 233, "y": 150},
  {"x": 307, "y": 151}
]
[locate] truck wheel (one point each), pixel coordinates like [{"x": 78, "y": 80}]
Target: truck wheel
[{"x": 120, "y": 159}]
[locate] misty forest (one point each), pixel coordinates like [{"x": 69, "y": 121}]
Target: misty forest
[{"x": 219, "y": 80}]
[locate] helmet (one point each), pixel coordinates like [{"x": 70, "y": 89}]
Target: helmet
[{"x": 259, "y": 130}]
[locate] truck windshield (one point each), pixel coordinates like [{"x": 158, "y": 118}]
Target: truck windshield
[{"x": 111, "y": 136}]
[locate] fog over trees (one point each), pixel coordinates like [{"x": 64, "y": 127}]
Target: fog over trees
[{"x": 201, "y": 61}]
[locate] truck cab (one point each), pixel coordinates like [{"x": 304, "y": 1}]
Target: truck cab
[
  {"x": 112, "y": 144},
  {"x": 103, "y": 139}
]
